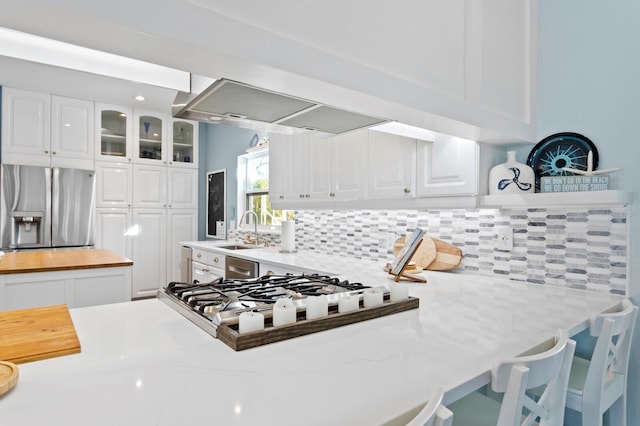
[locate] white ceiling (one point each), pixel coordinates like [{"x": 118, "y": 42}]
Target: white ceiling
[{"x": 81, "y": 85}]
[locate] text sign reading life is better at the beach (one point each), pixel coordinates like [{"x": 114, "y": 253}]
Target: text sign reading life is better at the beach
[{"x": 574, "y": 183}]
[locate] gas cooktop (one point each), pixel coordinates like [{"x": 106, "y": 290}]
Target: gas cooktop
[{"x": 221, "y": 301}]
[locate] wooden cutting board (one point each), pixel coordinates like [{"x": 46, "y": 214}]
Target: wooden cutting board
[
  {"x": 37, "y": 333},
  {"x": 433, "y": 254},
  {"x": 448, "y": 256},
  {"x": 424, "y": 256}
]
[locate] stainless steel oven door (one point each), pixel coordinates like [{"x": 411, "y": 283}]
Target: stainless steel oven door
[{"x": 240, "y": 268}]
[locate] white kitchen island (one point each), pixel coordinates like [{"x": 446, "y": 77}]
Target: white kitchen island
[{"x": 142, "y": 363}]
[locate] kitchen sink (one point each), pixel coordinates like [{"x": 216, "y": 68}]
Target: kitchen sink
[{"x": 236, "y": 247}]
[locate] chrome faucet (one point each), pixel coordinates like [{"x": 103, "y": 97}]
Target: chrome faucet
[{"x": 255, "y": 223}]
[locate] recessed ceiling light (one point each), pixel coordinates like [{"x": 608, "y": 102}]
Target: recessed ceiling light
[{"x": 139, "y": 98}]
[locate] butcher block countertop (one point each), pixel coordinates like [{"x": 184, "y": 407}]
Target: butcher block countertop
[{"x": 60, "y": 260}]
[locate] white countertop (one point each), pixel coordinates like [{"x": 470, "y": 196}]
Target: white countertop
[
  {"x": 143, "y": 363},
  {"x": 305, "y": 261}
]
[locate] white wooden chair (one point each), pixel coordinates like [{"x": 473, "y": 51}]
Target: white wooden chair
[
  {"x": 433, "y": 413},
  {"x": 430, "y": 414},
  {"x": 548, "y": 371},
  {"x": 599, "y": 385}
]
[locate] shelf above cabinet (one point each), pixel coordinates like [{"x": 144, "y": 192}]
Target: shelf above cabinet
[{"x": 556, "y": 199}]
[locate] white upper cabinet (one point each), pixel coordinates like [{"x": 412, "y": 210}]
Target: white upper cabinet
[
  {"x": 43, "y": 130},
  {"x": 26, "y": 124},
  {"x": 114, "y": 133},
  {"x": 183, "y": 188},
  {"x": 447, "y": 166},
  {"x": 150, "y": 186},
  {"x": 349, "y": 166},
  {"x": 278, "y": 166},
  {"x": 299, "y": 168},
  {"x": 392, "y": 165},
  {"x": 150, "y": 137},
  {"x": 160, "y": 187},
  {"x": 71, "y": 132},
  {"x": 183, "y": 137},
  {"x": 114, "y": 184}
]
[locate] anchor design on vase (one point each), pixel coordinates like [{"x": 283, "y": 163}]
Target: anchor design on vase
[
  {"x": 511, "y": 177},
  {"x": 524, "y": 186}
]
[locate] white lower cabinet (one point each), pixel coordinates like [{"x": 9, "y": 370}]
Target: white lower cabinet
[
  {"x": 156, "y": 247},
  {"x": 149, "y": 252},
  {"x": 203, "y": 273},
  {"x": 75, "y": 288},
  {"x": 164, "y": 213},
  {"x": 207, "y": 265},
  {"x": 114, "y": 230},
  {"x": 182, "y": 225}
]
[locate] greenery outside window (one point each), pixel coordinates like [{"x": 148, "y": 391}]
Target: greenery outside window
[{"x": 253, "y": 191}]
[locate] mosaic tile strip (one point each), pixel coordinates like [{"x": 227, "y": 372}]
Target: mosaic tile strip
[{"x": 579, "y": 248}]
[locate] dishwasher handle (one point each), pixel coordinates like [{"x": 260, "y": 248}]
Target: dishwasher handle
[
  {"x": 236, "y": 268},
  {"x": 241, "y": 271}
]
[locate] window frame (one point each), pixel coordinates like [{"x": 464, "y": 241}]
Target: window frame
[{"x": 243, "y": 191}]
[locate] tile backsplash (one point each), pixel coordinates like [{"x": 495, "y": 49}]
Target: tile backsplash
[{"x": 581, "y": 248}]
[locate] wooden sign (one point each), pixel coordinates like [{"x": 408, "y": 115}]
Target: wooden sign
[{"x": 574, "y": 183}]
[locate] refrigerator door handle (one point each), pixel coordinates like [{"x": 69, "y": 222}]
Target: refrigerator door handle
[{"x": 53, "y": 200}]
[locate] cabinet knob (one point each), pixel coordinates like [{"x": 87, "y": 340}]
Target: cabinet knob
[
  {"x": 205, "y": 270},
  {"x": 332, "y": 194},
  {"x": 199, "y": 255},
  {"x": 301, "y": 195},
  {"x": 407, "y": 191},
  {"x": 307, "y": 196},
  {"x": 170, "y": 162},
  {"x": 282, "y": 197},
  {"x": 216, "y": 260},
  {"x": 46, "y": 152},
  {"x": 53, "y": 152},
  {"x": 164, "y": 162},
  {"x": 129, "y": 159},
  {"x": 169, "y": 205}
]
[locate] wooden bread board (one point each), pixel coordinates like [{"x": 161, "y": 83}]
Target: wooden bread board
[
  {"x": 448, "y": 256},
  {"x": 433, "y": 254},
  {"x": 37, "y": 333},
  {"x": 8, "y": 376}
]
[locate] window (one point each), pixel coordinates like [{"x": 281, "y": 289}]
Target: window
[{"x": 253, "y": 190}]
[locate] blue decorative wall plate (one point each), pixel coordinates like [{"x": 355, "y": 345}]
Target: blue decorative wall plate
[{"x": 553, "y": 153}]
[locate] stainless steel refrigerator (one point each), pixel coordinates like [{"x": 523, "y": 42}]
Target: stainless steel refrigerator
[{"x": 46, "y": 207}]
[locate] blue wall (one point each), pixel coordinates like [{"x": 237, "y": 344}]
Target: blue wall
[
  {"x": 220, "y": 146},
  {"x": 589, "y": 83}
]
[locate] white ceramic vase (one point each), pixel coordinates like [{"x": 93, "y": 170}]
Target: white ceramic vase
[{"x": 511, "y": 177}]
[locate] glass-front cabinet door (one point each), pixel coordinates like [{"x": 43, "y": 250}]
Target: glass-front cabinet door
[
  {"x": 114, "y": 131},
  {"x": 184, "y": 143},
  {"x": 150, "y": 137}
]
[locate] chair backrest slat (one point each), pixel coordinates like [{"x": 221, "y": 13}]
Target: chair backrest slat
[{"x": 549, "y": 369}]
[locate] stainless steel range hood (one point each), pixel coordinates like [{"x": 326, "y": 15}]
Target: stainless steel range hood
[{"x": 238, "y": 104}]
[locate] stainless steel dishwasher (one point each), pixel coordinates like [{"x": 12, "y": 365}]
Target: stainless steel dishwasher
[{"x": 236, "y": 268}]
